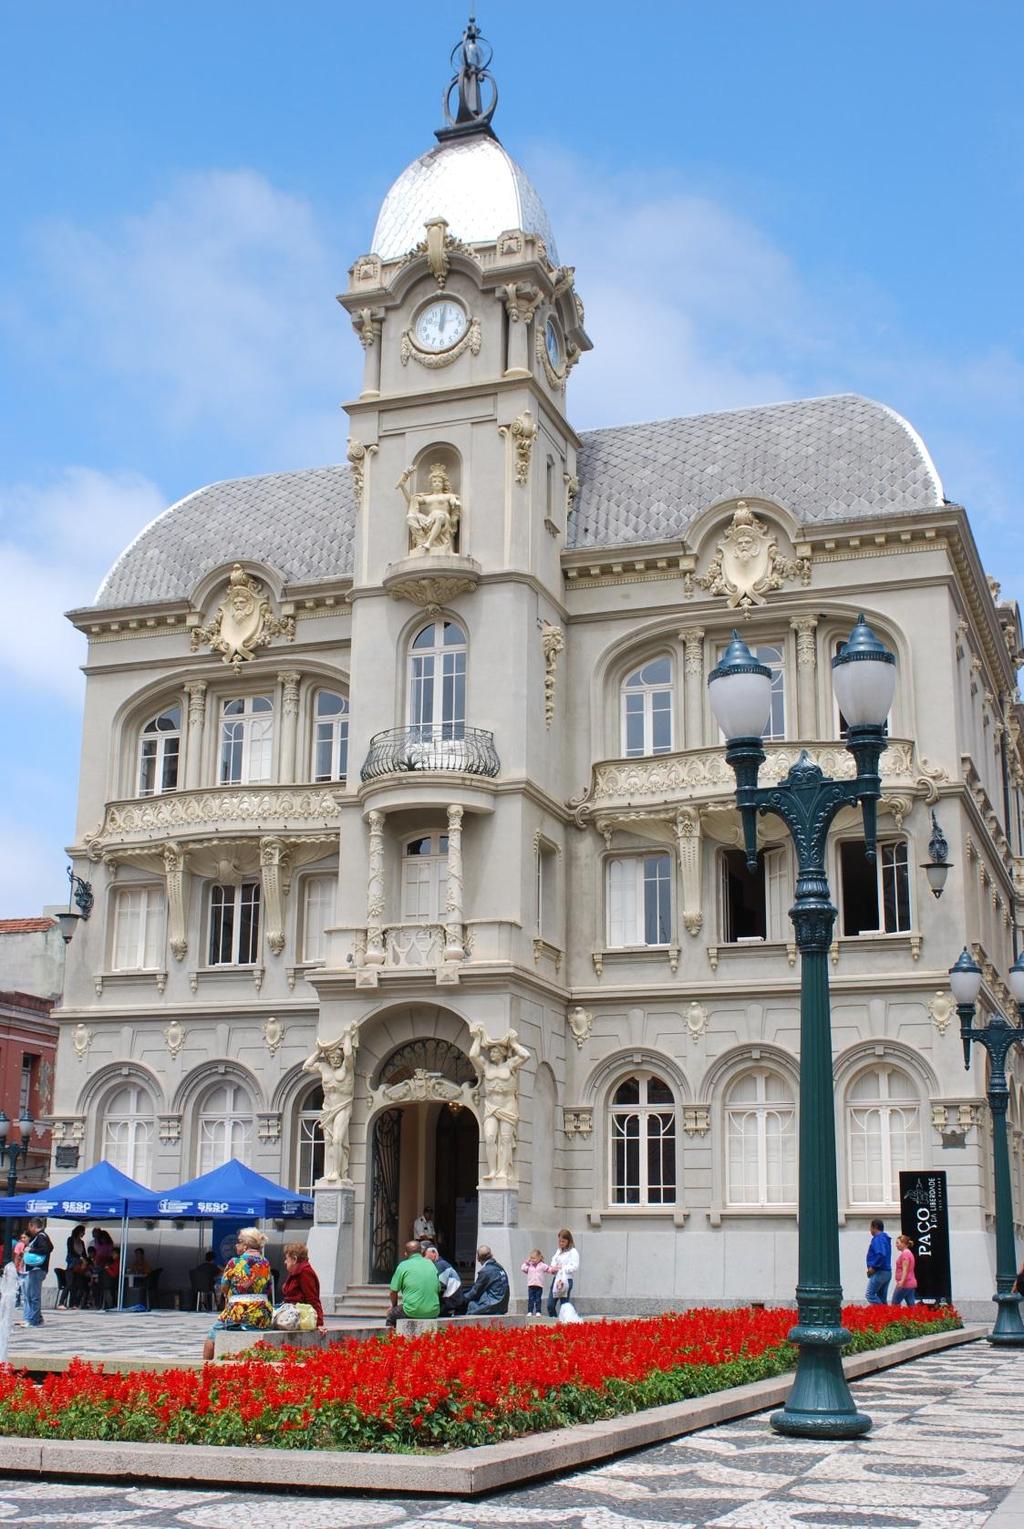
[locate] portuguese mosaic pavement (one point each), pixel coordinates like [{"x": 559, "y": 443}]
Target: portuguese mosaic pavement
[{"x": 945, "y": 1453}]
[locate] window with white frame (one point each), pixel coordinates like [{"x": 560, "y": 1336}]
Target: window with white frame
[
  {"x": 875, "y": 894},
  {"x": 642, "y": 1142},
  {"x": 224, "y": 1126},
  {"x": 246, "y": 740},
  {"x": 317, "y": 913},
  {"x": 437, "y": 681},
  {"x": 129, "y": 1129},
  {"x": 425, "y": 879},
  {"x": 773, "y": 656},
  {"x": 159, "y": 753},
  {"x": 330, "y": 736},
  {"x": 235, "y": 924},
  {"x": 760, "y": 1139},
  {"x": 309, "y": 1163},
  {"x": 639, "y": 899},
  {"x": 753, "y": 902},
  {"x": 138, "y": 929},
  {"x": 647, "y": 697},
  {"x": 883, "y": 1133}
]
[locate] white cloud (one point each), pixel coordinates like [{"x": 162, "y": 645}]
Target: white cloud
[
  {"x": 56, "y": 542},
  {"x": 32, "y": 867},
  {"x": 218, "y": 301}
]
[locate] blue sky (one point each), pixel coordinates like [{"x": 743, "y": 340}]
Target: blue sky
[{"x": 762, "y": 201}]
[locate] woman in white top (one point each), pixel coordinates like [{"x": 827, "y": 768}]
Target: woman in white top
[{"x": 564, "y": 1262}]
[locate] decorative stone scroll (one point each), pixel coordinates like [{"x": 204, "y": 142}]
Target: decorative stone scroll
[
  {"x": 359, "y": 457},
  {"x": 521, "y": 432},
  {"x": 425, "y": 1087},
  {"x": 553, "y": 642},
  {"x": 243, "y": 622},
  {"x": 581, "y": 1024},
  {"x": 275, "y": 874},
  {"x": 747, "y": 564},
  {"x": 176, "y": 878},
  {"x": 688, "y": 846}
]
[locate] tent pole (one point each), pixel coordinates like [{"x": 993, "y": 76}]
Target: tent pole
[{"x": 121, "y": 1261}]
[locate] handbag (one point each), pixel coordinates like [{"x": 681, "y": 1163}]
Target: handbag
[{"x": 33, "y": 1260}]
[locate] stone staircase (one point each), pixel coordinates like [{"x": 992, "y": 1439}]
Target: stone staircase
[{"x": 359, "y": 1303}]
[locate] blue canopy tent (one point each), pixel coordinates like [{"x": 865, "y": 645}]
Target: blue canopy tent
[
  {"x": 232, "y": 1190},
  {"x": 101, "y": 1193}
]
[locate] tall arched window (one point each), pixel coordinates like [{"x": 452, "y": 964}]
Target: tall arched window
[
  {"x": 159, "y": 751},
  {"x": 128, "y": 1130},
  {"x": 246, "y": 740},
  {"x": 760, "y": 1139},
  {"x": 437, "y": 682},
  {"x": 647, "y": 700},
  {"x": 225, "y": 1126},
  {"x": 330, "y": 736},
  {"x": 883, "y": 1133},
  {"x": 309, "y": 1165},
  {"x": 642, "y": 1142}
]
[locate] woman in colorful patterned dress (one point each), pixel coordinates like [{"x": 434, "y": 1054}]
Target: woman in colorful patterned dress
[{"x": 245, "y": 1281}]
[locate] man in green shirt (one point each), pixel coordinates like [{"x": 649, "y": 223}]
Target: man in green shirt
[{"x": 415, "y": 1287}]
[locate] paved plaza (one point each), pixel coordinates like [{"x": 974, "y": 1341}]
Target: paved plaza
[{"x": 945, "y": 1453}]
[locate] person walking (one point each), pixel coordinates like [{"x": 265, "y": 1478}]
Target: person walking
[
  {"x": 879, "y": 1264},
  {"x": 905, "y": 1288},
  {"x": 415, "y": 1288},
  {"x": 301, "y": 1284},
  {"x": 488, "y": 1295},
  {"x": 564, "y": 1265},
  {"x": 535, "y": 1269},
  {"x": 37, "y": 1263}
]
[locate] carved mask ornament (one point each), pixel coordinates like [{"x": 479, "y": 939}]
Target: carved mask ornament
[{"x": 747, "y": 564}]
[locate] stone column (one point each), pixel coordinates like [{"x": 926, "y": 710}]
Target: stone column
[
  {"x": 289, "y": 682},
  {"x": 196, "y": 692},
  {"x": 375, "y": 892},
  {"x": 454, "y": 949},
  {"x": 367, "y": 324},
  {"x": 692, "y": 638},
  {"x": 521, "y": 302},
  {"x": 805, "y": 628}
]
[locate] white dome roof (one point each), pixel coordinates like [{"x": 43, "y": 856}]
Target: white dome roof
[{"x": 473, "y": 183}]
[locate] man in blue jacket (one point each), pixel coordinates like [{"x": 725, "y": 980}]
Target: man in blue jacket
[
  {"x": 879, "y": 1263},
  {"x": 489, "y": 1292}
]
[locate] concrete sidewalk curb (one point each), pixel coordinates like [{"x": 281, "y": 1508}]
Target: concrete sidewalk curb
[{"x": 459, "y": 1473}]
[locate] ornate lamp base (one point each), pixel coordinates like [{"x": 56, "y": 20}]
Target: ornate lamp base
[
  {"x": 1008, "y": 1331},
  {"x": 820, "y": 1405}
]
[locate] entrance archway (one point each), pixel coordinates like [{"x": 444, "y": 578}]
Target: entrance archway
[{"x": 424, "y": 1151}]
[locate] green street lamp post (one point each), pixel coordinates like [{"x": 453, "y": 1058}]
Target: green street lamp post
[
  {"x": 864, "y": 678},
  {"x": 997, "y": 1037}
]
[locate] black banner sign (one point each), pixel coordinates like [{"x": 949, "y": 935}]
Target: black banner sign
[
  {"x": 924, "y": 1216},
  {"x": 66, "y": 1157}
]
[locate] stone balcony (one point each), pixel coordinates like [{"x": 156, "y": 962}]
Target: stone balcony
[
  {"x": 625, "y": 790},
  {"x": 221, "y": 812}
]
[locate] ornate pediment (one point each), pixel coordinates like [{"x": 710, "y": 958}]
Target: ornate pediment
[
  {"x": 244, "y": 621},
  {"x": 747, "y": 563}
]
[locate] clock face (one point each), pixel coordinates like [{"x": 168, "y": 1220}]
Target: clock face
[
  {"x": 553, "y": 344},
  {"x": 441, "y": 324}
]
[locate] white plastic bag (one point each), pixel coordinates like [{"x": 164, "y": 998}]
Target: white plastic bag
[
  {"x": 560, "y": 1285},
  {"x": 568, "y": 1313}
]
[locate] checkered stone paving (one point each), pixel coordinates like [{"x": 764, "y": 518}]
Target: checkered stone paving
[{"x": 944, "y": 1453}]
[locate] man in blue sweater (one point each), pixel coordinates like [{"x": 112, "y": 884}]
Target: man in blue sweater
[{"x": 879, "y": 1263}]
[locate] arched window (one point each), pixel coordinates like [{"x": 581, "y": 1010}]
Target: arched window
[
  {"x": 424, "y": 879},
  {"x": 642, "y": 1142},
  {"x": 246, "y": 740},
  {"x": 330, "y": 736},
  {"x": 309, "y": 1164},
  {"x": 225, "y": 1126},
  {"x": 437, "y": 682},
  {"x": 760, "y": 1139},
  {"x": 883, "y": 1133},
  {"x": 647, "y": 699},
  {"x": 639, "y": 900},
  {"x": 128, "y": 1130},
  {"x": 159, "y": 751}
]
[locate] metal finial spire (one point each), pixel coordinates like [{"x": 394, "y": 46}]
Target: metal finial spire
[{"x": 470, "y": 59}]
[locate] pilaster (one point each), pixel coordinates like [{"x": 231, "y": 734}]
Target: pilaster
[
  {"x": 692, "y": 638},
  {"x": 805, "y": 628},
  {"x": 195, "y": 736},
  {"x": 454, "y": 949},
  {"x": 375, "y": 892},
  {"x": 289, "y": 682}
]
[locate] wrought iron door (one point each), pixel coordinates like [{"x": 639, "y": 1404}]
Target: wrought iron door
[{"x": 387, "y": 1149}]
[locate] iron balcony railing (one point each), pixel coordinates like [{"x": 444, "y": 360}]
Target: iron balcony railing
[{"x": 431, "y": 746}]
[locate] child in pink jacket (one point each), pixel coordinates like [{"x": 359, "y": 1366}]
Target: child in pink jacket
[
  {"x": 905, "y": 1288},
  {"x": 535, "y": 1269}
]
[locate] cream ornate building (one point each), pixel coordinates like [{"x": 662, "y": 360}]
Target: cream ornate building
[{"x": 401, "y": 775}]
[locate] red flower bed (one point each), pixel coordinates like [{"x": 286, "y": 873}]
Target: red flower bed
[{"x": 461, "y": 1386}]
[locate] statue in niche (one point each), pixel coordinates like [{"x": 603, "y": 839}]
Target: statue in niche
[
  {"x": 497, "y": 1065},
  {"x": 335, "y": 1063},
  {"x": 432, "y": 515}
]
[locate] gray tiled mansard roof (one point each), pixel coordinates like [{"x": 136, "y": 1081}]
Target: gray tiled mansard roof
[{"x": 824, "y": 459}]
